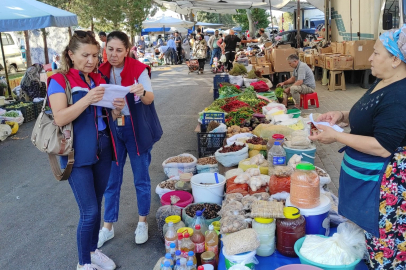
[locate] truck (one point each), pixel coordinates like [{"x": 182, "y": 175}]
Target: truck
[
  {"x": 362, "y": 19},
  {"x": 12, "y": 51}
]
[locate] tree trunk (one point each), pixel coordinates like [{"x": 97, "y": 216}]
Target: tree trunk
[
  {"x": 44, "y": 38},
  {"x": 27, "y": 48},
  {"x": 70, "y": 32},
  {"x": 251, "y": 24},
  {"x": 91, "y": 25}
]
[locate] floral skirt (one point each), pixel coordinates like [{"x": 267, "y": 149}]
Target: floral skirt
[{"x": 389, "y": 250}]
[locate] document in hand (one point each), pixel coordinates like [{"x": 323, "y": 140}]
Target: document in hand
[
  {"x": 335, "y": 127},
  {"x": 111, "y": 92}
]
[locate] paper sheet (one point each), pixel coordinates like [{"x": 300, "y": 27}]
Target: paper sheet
[
  {"x": 335, "y": 127},
  {"x": 111, "y": 92}
]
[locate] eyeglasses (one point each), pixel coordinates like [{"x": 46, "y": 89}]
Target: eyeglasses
[{"x": 83, "y": 34}]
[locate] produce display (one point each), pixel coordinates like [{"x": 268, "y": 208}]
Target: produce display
[
  {"x": 238, "y": 116},
  {"x": 207, "y": 160},
  {"x": 210, "y": 210},
  {"x": 229, "y": 90},
  {"x": 11, "y": 114},
  {"x": 234, "y": 105},
  {"x": 279, "y": 92},
  {"x": 233, "y": 130},
  {"x": 253, "y": 74},
  {"x": 19, "y": 105},
  {"x": 169, "y": 184},
  {"x": 232, "y": 148},
  {"x": 180, "y": 159},
  {"x": 238, "y": 70},
  {"x": 257, "y": 140}
]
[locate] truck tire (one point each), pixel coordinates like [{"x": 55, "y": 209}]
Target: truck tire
[{"x": 12, "y": 69}]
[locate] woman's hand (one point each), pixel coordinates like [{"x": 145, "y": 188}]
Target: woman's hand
[
  {"x": 333, "y": 118},
  {"x": 95, "y": 95},
  {"x": 137, "y": 89},
  {"x": 119, "y": 104},
  {"x": 325, "y": 135}
]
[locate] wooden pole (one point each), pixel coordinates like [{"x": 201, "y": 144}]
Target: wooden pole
[
  {"x": 5, "y": 68},
  {"x": 44, "y": 38},
  {"x": 27, "y": 48},
  {"x": 298, "y": 37}
]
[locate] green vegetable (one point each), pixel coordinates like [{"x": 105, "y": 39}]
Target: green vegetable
[
  {"x": 237, "y": 70},
  {"x": 249, "y": 96},
  {"x": 229, "y": 91},
  {"x": 237, "y": 117},
  {"x": 11, "y": 114},
  {"x": 279, "y": 92},
  {"x": 252, "y": 75}
]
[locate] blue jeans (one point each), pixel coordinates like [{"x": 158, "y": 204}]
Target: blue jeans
[
  {"x": 140, "y": 166},
  {"x": 215, "y": 53},
  {"x": 88, "y": 184}
]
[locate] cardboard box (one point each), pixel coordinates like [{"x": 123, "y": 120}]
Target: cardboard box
[
  {"x": 285, "y": 46},
  {"x": 261, "y": 60},
  {"x": 268, "y": 54},
  {"x": 341, "y": 48},
  {"x": 263, "y": 68},
  {"x": 302, "y": 56},
  {"x": 318, "y": 61},
  {"x": 334, "y": 47},
  {"x": 361, "y": 50},
  {"x": 279, "y": 62},
  {"x": 309, "y": 59},
  {"x": 342, "y": 62},
  {"x": 325, "y": 50},
  {"x": 268, "y": 44},
  {"x": 252, "y": 59},
  {"x": 325, "y": 56}
]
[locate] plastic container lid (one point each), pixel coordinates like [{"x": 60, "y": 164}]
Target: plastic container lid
[
  {"x": 211, "y": 227},
  {"x": 172, "y": 245},
  {"x": 167, "y": 264},
  {"x": 178, "y": 252},
  {"x": 208, "y": 255},
  {"x": 173, "y": 219},
  {"x": 180, "y": 235},
  {"x": 197, "y": 227},
  {"x": 325, "y": 206},
  {"x": 264, "y": 220},
  {"x": 200, "y": 267},
  {"x": 190, "y": 253},
  {"x": 185, "y": 177},
  {"x": 305, "y": 166},
  {"x": 278, "y": 136},
  {"x": 186, "y": 235},
  {"x": 189, "y": 263},
  {"x": 168, "y": 256},
  {"x": 185, "y": 229},
  {"x": 199, "y": 213},
  {"x": 277, "y": 143},
  {"x": 291, "y": 212}
]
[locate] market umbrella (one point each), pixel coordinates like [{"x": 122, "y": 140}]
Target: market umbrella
[
  {"x": 166, "y": 21},
  {"x": 28, "y": 15}
]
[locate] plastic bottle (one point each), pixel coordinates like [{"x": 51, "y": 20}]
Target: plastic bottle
[
  {"x": 178, "y": 255},
  {"x": 289, "y": 230},
  {"x": 166, "y": 266},
  {"x": 192, "y": 257},
  {"x": 172, "y": 251},
  {"x": 183, "y": 265},
  {"x": 190, "y": 265},
  {"x": 277, "y": 155},
  {"x": 180, "y": 240},
  {"x": 198, "y": 239},
  {"x": 212, "y": 241},
  {"x": 167, "y": 259},
  {"x": 200, "y": 220},
  {"x": 305, "y": 187},
  {"x": 187, "y": 245},
  {"x": 170, "y": 237}
]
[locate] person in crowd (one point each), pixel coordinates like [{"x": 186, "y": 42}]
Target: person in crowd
[
  {"x": 215, "y": 49},
  {"x": 192, "y": 40},
  {"x": 94, "y": 136},
  {"x": 31, "y": 82},
  {"x": 172, "y": 50},
  {"x": 198, "y": 31},
  {"x": 302, "y": 82},
  {"x": 178, "y": 43},
  {"x": 102, "y": 36},
  {"x": 230, "y": 46},
  {"x": 160, "y": 42},
  {"x": 372, "y": 177},
  {"x": 138, "y": 129},
  {"x": 55, "y": 62},
  {"x": 262, "y": 38},
  {"x": 200, "y": 52},
  {"x": 141, "y": 44},
  {"x": 186, "y": 47},
  {"x": 133, "y": 53}
]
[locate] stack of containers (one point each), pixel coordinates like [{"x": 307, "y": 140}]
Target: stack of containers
[{"x": 305, "y": 195}]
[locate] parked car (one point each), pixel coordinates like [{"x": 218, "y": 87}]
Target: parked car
[
  {"x": 289, "y": 37},
  {"x": 12, "y": 51}
]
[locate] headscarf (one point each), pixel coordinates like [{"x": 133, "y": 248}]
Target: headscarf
[
  {"x": 32, "y": 75},
  {"x": 395, "y": 42}
]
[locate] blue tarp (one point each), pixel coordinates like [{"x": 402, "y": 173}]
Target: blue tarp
[
  {"x": 30, "y": 14},
  {"x": 147, "y": 30}
]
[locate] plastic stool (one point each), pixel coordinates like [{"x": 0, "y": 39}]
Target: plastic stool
[
  {"x": 333, "y": 80},
  {"x": 304, "y": 100},
  {"x": 318, "y": 73},
  {"x": 366, "y": 74},
  {"x": 283, "y": 74}
]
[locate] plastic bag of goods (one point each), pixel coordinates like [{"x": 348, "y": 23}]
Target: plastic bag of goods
[
  {"x": 233, "y": 172},
  {"x": 207, "y": 165},
  {"x": 267, "y": 209},
  {"x": 247, "y": 202},
  {"x": 165, "y": 211},
  {"x": 266, "y": 131},
  {"x": 273, "y": 105},
  {"x": 232, "y": 223},
  {"x": 232, "y": 187},
  {"x": 184, "y": 163},
  {"x": 231, "y": 155},
  {"x": 166, "y": 186},
  {"x": 238, "y": 80},
  {"x": 231, "y": 208},
  {"x": 280, "y": 179},
  {"x": 233, "y": 197},
  {"x": 343, "y": 248},
  {"x": 242, "y": 241}
]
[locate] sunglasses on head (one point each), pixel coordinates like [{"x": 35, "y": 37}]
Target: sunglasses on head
[{"x": 83, "y": 34}]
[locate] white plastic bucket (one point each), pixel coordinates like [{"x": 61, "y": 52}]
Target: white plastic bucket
[
  {"x": 317, "y": 219},
  {"x": 212, "y": 193},
  {"x": 247, "y": 258},
  {"x": 308, "y": 155}
]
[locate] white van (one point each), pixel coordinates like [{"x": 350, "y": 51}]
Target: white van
[{"x": 14, "y": 59}]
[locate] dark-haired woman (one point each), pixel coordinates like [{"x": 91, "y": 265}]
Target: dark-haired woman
[
  {"x": 137, "y": 130},
  {"x": 94, "y": 136}
]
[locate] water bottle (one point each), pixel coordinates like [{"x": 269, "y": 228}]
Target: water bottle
[
  {"x": 166, "y": 266},
  {"x": 277, "y": 155},
  {"x": 200, "y": 220},
  {"x": 167, "y": 259}
]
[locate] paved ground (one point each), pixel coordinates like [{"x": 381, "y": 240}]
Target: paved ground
[{"x": 39, "y": 215}]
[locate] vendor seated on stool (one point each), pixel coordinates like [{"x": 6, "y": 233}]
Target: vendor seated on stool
[{"x": 302, "y": 81}]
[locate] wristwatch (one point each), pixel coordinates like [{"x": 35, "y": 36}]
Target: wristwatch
[{"x": 144, "y": 93}]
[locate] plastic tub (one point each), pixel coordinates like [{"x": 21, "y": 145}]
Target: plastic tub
[
  {"x": 205, "y": 188},
  {"x": 317, "y": 219},
  {"x": 185, "y": 198},
  {"x": 308, "y": 155},
  {"x": 248, "y": 257},
  {"x": 298, "y": 267},
  {"x": 303, "y": 260}
]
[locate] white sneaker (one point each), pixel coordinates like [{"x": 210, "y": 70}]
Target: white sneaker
[
  {"x": 104, "y": 236},
  {"x": 89, "y": 267},
  {"x": 102, "y": 260},
  {"x": 141, "y": 233}
]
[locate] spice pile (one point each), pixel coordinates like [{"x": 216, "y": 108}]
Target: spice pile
[
  {"x": 232, "y": 148},
  {"x": 180, "y": 159}
]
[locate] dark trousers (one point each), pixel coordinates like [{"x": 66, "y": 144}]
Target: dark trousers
[
  {"x": 230, "y": 56},
  {"x": 179, "y": 51},
  {"x": 201, "y": 63}
]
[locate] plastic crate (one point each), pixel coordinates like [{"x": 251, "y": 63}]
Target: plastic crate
[
  {"x": 215, "y": 94},
  {"x": 219, "y": 79},
  {"x": 209, "y": 143},
  {"x": 209, "y": 117},
  {"x": 38, "y": 108}
]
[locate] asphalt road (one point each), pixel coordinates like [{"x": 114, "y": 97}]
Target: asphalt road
[{"x": 39, "y": 215}]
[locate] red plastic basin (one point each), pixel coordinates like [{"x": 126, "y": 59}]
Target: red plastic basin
[{"x": 185, "y": 198}]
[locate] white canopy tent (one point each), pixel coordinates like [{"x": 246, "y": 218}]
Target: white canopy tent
[{"x": 166, "y": 22}]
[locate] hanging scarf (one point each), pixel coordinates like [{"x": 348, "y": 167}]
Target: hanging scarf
[{"x": 31, "y": 75}]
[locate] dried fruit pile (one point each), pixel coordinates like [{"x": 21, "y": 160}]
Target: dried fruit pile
[
  {"x": 207, "y": 161},
  {"x": 180, "y": 159},
  {"x": 232, "y": 148}
]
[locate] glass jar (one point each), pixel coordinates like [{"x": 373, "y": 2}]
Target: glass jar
[
  {"x": 305, "y": 186},
  {"x": 265, "y": 229},
  {"x": 289, "y": 230},
  {"x": 209, "y": 257},
  {"x": 184, "y": 182},
  {"x": 275, "y": 138},
  {"x": 177, "y": 223}
]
